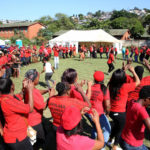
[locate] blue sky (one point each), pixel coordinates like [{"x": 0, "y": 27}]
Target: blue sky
[{"x": 34, "y": 9}]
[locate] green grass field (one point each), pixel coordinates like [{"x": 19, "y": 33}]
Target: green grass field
[{"x": 85, "y": 71}]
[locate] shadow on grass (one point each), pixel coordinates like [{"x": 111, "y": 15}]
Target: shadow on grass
[{"x": 43, "y": 84}]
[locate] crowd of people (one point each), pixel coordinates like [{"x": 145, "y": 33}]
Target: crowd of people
[
  {"x": 21, "y": 125},
  {"x": 13, "y": 58}
]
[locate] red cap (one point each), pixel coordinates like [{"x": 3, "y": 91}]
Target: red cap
[
  {"x": 70, "y": 118},
  {"x": 98, "y": 76}
]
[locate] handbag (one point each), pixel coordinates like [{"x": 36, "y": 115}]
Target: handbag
[{"x": 31, "y": 133}]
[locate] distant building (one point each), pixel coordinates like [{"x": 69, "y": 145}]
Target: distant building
[
  {"x": 120, "y": 34},
  {"x": 29, "y": 29}
]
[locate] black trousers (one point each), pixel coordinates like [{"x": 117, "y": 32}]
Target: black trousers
[
  {"x": 22, "y": 145},
  {"x": 101, "y": 53},
  {"x": 119, "y": 119},
  {"x": 111, "y": 67}
]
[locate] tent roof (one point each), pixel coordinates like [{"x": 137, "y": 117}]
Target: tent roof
[{"x": 85, "y": 36}]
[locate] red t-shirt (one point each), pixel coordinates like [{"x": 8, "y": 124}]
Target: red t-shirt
[
  {"x": 71, "y": 48},
  {"x": 91, "y": 49},
  {"x": 110, "y": 59},
  {"x": 35, "y": 117},
  {"x": 56, "y": 52},
  {"x": 101, "y": 49},
  {"x": 148, "y": 52},
  {"x": 57, "y": 105},
  {"x": 133, "y": 132},
  {"x": 127, "y": 52},
  {"x": 119, "y": 104},
  {"x": 136, "y": 52},
  {"x": 129, "y": 79},
  {"x": 74, "y": 142},
  {"x": 74, "y": 48},
  {"x": 115, "y": 49},
  {"x": 75, "y": 94},
  {"x": 107, "y": 49},
  {"x": 40, "y": 51},
  {"x": 15, "y": 122},
  {"x": 135, "y": 94},
  {"x": 97, "y": 98},
  {"x": 49, "y": 50}
]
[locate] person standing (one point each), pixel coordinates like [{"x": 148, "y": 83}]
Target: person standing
[
  {"x": 56, "y": 56},
  {"x": 136, "y": 54},
  {"x": 101, "y": 51},
  {"x": 48, "y": 69},
  {"x": 74, "y": 51},
  {"x": 116, "y": 52},
  {"x": 123, "y": 53},
  {"x": 147, "y": 53},
  {"x": 119, "y": 90},
  {"x": 133, "y": 133},
  {"x": 107, "y": 51},
  {"x": 127, "y": 53},
  {"x": 110, "y": 62},
  {"x": 100, "y": 101},
  {"x": 15, "y": 113}
]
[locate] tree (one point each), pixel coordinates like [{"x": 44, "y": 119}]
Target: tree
[
  {"x": 81, "y": 17},
  {"x": 146, "y": 20},
  {"x": 97, "y": 14},
  {"x": 1, "y": 22},
  {"x": 133, "y": 24},
  {"x": 122, "y": 13},
  {"x": 46, "y": 20}
]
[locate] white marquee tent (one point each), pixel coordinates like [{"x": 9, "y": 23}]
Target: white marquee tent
[
  {"x": 2, "y": 43},
  {"x": 85, "y": 36}
]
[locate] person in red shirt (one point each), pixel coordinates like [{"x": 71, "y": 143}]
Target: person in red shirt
[
  {"x": 68, "y": 137},
  {"x": 15, "y": 114},
  {"x": 100, "y": 100},
  {"x": 58, "y": 103},
  {"x": 101, "y": 51},
  {"x": 70, "y": 76},
  {"x": 71, "y": 49},
  {"x": 107, "y": 51},
  {"x": 67, "y": 49},
  {"x": 74, "y": 51},
  {"x": 133, "y": 133},
  {"x": 91, "y": 51},
  {"x": 127, "y": 53},
  {"x": 147, "y": 53},
  {"x": 142, "y": 54},
  {"x": 35, "y": 118},
  {"x": 136, "y": 54},
  {"x": 110, "y": 62},
  {"x": 119, "y": 90},
  {"x": 41, "y": 53},
  {"x": 116, "y": 52},
  {"x": 49, "y": 50},
  {"x": 56, "y": 56}
]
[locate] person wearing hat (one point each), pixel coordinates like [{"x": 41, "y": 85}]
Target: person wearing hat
[
  {"x": 67, "y": 135},
  {"x": 100, "y": 100},
  {"x": 133, "y": 133},
  {"x": 119, "y": 91}
]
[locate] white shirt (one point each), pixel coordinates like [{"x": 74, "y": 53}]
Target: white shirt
[{"x": 48, "y": 67}]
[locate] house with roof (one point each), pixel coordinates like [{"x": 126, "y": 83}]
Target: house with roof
[
  {"x": 120, "y": 34},
  {"x": 29, "y": 29}
]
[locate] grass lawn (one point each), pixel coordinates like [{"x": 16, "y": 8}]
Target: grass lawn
[{"x": 85, "y": 71}]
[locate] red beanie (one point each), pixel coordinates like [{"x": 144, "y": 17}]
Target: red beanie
[
  {"x": 70, "y": 118},
  {"x": 98, "y": 76}
]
